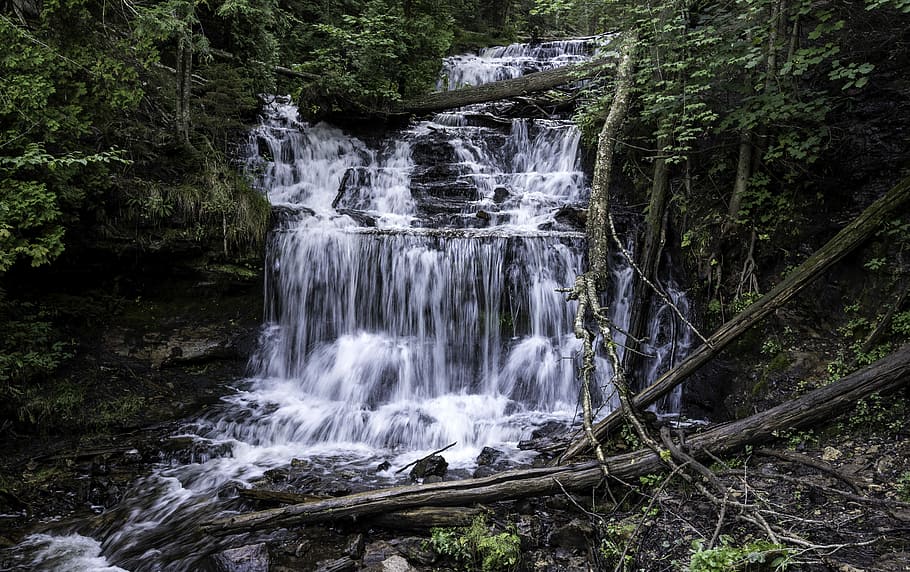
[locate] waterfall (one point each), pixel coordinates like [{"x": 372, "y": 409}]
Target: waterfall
[
  {"x": 423, "y": 309},
  {"x": 412, "y": 301}
]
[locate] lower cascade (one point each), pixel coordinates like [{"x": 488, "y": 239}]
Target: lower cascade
[{"x": 412, "y": 301}]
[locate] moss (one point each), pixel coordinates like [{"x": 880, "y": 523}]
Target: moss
[
  {"x": 235, "y": 270},
  {"x": 778, "y": 363}
]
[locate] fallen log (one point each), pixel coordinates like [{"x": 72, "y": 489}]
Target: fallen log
[
  {"x": 845, "y": 241},
  {"x": 821, "y": 404},
  {"x": 276, "y": 497},
  {"x": 494, "y": 91},
  {"x": 423, "y": 518}
]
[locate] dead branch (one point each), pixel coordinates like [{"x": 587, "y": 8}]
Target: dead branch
[
  {"x": 850, "y": 237},
  {"x": 821, "y": 404},
  {"x": 503, "y": 89},
  {"x": 823, "y": 466}
]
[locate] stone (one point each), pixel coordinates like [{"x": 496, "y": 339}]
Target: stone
[
  {"x": 500, "y": 194},
  {"x": 375, "y": 553},
  {"x": 250, "y": 558},
  {"x": 354, "y": 546},
  {"x": 383, "y": 466},
  {"x": 415, "y": 549},
  {"x": 482, "y": 472},
  {"x": 396, "y": 564},
  {"x": 432, "y": 465},
  {"x": 573, "y": 536},
  {"x": 489, "y": 456},
  {"x": 831, "y": 454}
]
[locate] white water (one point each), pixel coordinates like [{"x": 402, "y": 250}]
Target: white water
[{"x": 421, "y": 310}]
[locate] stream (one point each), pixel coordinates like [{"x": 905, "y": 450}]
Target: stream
[{"x": 411, "y": 302}]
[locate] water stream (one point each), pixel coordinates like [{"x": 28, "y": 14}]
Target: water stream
[{"x": 412, "y": 302}]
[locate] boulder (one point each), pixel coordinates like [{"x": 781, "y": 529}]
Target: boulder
[
  {"x": 434, "y": 465},
  {"x": 251, "y": 558}
]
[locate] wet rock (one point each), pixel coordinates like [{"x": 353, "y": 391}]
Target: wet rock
[
  {"x": 483, "y": 215},
  {"x": 529, "y": 530},
  {"x": 482, "y": 472},
  {"x": 375, "y": 553},
  {"x": 573, "y": 536},
  {"x": 549, "y": 429},
  {"x": 500, "y": 194},
  {"x": 359, "y": 217},
  {"x": 549, "y": 436},
  {"x": 434, "y": 465},
  {"x": 490, "y": 461},
  {"x": 300, "y": 464},
  {"x": 489, "y": 457},
  {"x": 383, "y": 466},
  {"x": 355, "y": 545},
  {"x": 573, "y": 217},
  {"x": 413, "y": 549},
  {"x": 276, "y": 475},
  {"x": 338, "y": 565},
  {"x": 188, "y": 450},
  {"x": 252, "y": 558}
]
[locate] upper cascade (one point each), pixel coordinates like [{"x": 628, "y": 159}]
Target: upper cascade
[{"x": 508, "y": 62}]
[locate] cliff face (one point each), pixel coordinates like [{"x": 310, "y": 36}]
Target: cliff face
[{"x": 146, "y": 336}]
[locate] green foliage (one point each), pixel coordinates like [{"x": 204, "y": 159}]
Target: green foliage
[
  {"x": 759, "y": 555},
  {"x": 903, "y": 487},
  {"x": 31, "y": 350},
  {"x": 797, "y": 439},
  {"x": 475, "y": 548},
  {"x": 874, "y": 413},
  {"x": 376, "y": 55},
  {"x": 616, "y": 535}
]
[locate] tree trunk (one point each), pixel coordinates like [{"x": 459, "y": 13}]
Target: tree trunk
[
  {"x": 184, "y": 82},
  {"x": 649, "y": 261},
  {"x": 504, "y": 89},
  {"x": 743, "y": 174},
  {"x": 819, "y": 405},
  {"x": 599, "y": 203},
  {"x": 851, "y": 236}
]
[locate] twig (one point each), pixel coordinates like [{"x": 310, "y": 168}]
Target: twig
[
  {"x": 447, "y": 447},
  {"x": 720, "y": 523}
]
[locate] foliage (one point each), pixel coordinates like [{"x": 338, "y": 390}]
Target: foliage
[
  {"x": 375, "y": 54},
  {"x": 616, "y": 535},
  {"x": 874, "y": 413},
  {"x": 903, "y": 487},
  {"x": 475, "y": 548},
  {"x": 30, "y": 350},
  {"x": 759, "y": 555}
]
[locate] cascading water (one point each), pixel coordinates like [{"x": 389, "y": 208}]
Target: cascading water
[{"x": 412, "y": 302}]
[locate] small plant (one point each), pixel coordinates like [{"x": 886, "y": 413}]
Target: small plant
[
  {"x": 903, "y": 487},
  {"x": 650, "y": 480},
  {"x": 873, "y": 413},
  {"x": 475, "y": 548},
  {"x": 797, "y": 439},
  {"x": 753, "y": 556},
  {"x": 771, "y": 347},
  {"x": 612, "y": 546}
]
